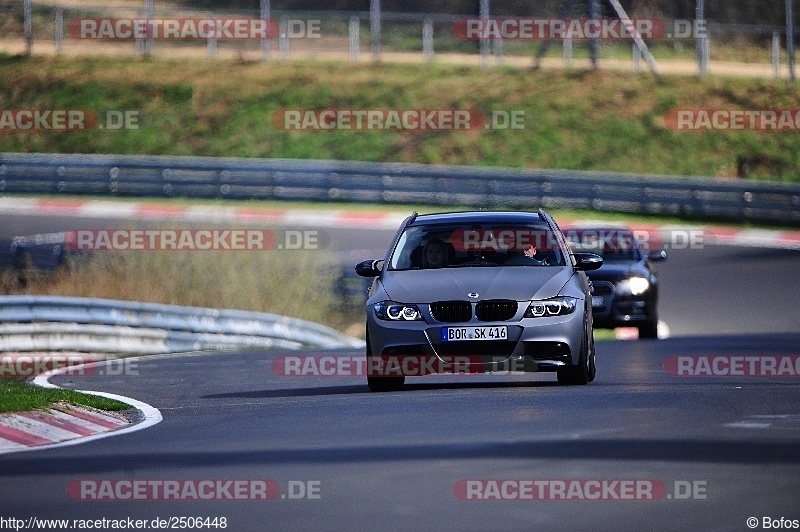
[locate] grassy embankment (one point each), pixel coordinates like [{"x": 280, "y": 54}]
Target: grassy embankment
[{"x": 574, "y": 119}]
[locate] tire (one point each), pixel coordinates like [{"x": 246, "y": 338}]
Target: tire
[
  {"x": 592, "y": 366},
  {"x": 584, "y": 371},
  {"x": 382, "y": 384},
  {"x": 649, "y": 330},
  {"x": 385, "y": 384}
]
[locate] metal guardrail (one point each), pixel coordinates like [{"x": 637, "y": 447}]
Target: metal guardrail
[
  {"x": 44, "y": 323},
  {"x": 317, "y": 180}
]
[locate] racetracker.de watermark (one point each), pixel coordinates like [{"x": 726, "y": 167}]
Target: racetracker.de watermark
[
  {"x": 579, "y": 490},
  {"x": 385, "y": 366},
  {"x": 733, "y": 365},
  {"x": 509, "y": 239},
  {"x": 193, "y": 490},
  {"x": 122, "y": 29},
  {"x": 68, "y": 120},
  {"x": 733, "y": 119},
  {"x": 23, "y": 365},
  {"x": 397, "y": 119},
  {"x": 650, "y": 239},
  {"x": 195, "y": 239},
  {"x": 578, "y": 29}
]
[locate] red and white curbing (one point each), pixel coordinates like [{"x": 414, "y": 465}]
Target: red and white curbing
[
  {"x": 60, "y": 423},
  {"x": 63, "y": 425},
  {"x": 124, "y": 210}
]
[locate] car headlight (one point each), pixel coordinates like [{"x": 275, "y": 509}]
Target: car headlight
[
  {"x": 634, "y": 286},
  {"x": 391, "y": 311},
  {"x": 557, "y": 306}
]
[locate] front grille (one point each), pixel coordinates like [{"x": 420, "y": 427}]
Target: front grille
[
  {"x": 602, "y": 290},
  {"x": 486, "y": 350},
  {"x": 496, "y": 310},
  {"x": 451, "y": 311}
]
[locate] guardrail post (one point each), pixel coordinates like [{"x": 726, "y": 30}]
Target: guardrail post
[
  {"x": 265, "y": 12},
  {"x": 427, "y": 39},
  {"x": 354, "y": 38},
  {"x": 283, "y": 42},
  {"x": 484, "y": 42},
  {"x": 59, "y": 30},
  {"x": 790, "y": 39},
  {"x": 702, "y": 40},
  {"x": 28, "y": 26},
  {"x": 149, "y": 15},
  {"x": 566, "y": 52},
  {"x": 594, "y": 48},
  {"x": 211, "y": 43},
  {"x": 776, "y": 54},
  {"x": 138, "y": 41},
  {"x": 375, "y": 29}
]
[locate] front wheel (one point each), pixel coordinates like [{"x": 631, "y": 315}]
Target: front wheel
[
  {"x": 584, "y": 371},
  {"x": 649, "y": 330},
  {"x": 385, "y": 384}
]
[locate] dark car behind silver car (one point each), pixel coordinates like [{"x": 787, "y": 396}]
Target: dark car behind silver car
[{"x": 625, "y": 288}]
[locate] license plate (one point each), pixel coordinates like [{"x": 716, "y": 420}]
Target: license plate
[
  {"x": 597, "y": 301},
  {"x": 462, "y": 334}
]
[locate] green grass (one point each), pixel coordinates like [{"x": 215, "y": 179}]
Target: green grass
[
  {"x": 18, "y": 396},
  {"x": 574, "y": 119},
  {"x": 604, "y": 335}
]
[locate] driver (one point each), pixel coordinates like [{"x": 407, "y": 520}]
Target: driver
[
  {"x": 528, "y": 257},
  {"x": 434, "y": 254}
]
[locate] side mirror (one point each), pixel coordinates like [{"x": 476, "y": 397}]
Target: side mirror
[
  {"x": 587, "y": 261},
  {"x": 656, "y": 256},
  {"x": 369, "y": 268}
]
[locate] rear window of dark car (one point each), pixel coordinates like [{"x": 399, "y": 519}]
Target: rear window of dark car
[{"x": 614, "y": 245}]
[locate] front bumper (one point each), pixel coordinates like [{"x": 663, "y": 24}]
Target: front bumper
[{"x": 533, "y": 344}]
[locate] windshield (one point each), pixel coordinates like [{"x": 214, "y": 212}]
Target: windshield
[
  {"x": 476, "y": 245},
  {"x": 614, "y": 245}
]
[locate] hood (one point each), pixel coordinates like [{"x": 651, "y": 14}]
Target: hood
[
  {"x": 612, "y": 271},
  {"x": 520, "y": 283}
]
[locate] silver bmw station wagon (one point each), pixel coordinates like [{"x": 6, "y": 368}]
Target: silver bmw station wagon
[{"x": 474, "y": 292}]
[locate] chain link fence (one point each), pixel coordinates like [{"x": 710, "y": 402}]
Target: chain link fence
[{"x": 681, "y": 47}]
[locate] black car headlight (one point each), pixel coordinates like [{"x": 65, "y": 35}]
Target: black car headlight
[
  {"x": 391, "y": 311},
  {"x": 557, "y": 306},
  {"x": 634, "y": 286}
]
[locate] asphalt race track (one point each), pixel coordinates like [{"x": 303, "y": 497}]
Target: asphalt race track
[{"x": 705, "y": 452}]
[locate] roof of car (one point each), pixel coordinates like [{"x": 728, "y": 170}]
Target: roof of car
[
  {"x": 598, "y": 228},
  {"x": 478, "y": 217}
]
